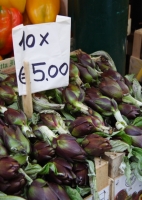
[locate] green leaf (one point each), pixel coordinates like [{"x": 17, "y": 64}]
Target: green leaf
[
  {"x": 8, "y": 197},
  {"x": 137, "y": 152},
  {"x": 126, "y": 138},
  {"x": 15, "y": 106},
  {"x": 136, "y": 171},
  {"x": 83, "y": 190},
  {"x": 21, "y": 159},
  {"x": 2, "y": 194},
  {"x": 137, "y": 89},
  {"x": 92, "y": 179},
  {"x": 73, "y": 193},
  {"x": 32, "y": 170},
  {"x": 102, "y": 134},
  {"x": 67, "y": 115},
  {"x": 125, "y": 168},
  {"x": 120, "y": 146},
  {"x": 137, "y": 122},
  {"x": 46, "y": 169},
  {"x": 35, "y": 118}
]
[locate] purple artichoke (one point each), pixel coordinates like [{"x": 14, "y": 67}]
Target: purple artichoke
[
  {"x": 42, "y": 151},
  {"x": 81, "y": 172},
  {"x": 64, "y": 174},
  {"x": 128, "y": 110},
  {"x": 41, "y": 190},
  {"x": 67, "y": 147},
  {"x": 85, "y": 125},
  {"x": 8, "y": 168},
  {"x": 95, "y": 145},
  {"x": 14, "y": 186}
]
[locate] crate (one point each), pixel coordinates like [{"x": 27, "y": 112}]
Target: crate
[
  {"x": 101, "y": 173},
  {"x": 114, "y": 161}
]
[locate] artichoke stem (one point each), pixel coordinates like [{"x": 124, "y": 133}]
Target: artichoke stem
[
  {"x": 129, "y": 99},
  {"x": 119, "y": 126},
  {"x": 26, "y": 176},
  {"x": 62, "y": 130},
  {"x": 83, "y": 108},
  {"x": 119, "y": 117},
  {"x": 105, "y": 129},
  {"x": 3, "y": 109},
  {"x": 27, "y": 131}
]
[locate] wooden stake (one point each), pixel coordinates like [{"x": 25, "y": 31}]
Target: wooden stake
[{"x": 27, "y": 99}]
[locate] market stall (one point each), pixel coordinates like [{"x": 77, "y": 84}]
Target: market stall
[{"x": 70, "y": 123}]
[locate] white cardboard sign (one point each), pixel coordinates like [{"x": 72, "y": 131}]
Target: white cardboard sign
[{"x": 46, "y": 47}]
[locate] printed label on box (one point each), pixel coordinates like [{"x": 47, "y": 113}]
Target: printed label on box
[
  {"x": 7, "y": 66},
  {"x": 124, "y": 188},
  {"x": 103, "y": 194}
]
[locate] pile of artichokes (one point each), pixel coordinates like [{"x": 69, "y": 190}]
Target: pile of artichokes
[{"x": 46, "y": 157}]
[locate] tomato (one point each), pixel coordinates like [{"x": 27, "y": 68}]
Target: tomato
[{"x": 9, "y": 18}]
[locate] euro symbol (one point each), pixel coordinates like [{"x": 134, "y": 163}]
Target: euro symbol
[{"x": 22, "y": 76}]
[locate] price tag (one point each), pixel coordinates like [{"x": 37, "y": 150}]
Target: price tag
[{"x": 46, "y": 47}]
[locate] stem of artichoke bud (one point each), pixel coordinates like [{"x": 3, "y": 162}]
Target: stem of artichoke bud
[
  {"x": 78, "y": 81},
  {"x": 3, "y": 109},
  {"x": 27, "y": 131},
  {"x": 48, "y": 135},
  {"x": 119, "y": 126},
  {"x": 26, "y": 176},
  {"x": 105, "y": 129},
  {"x": 129, "y": 99},
  {"x": 62, "y": 130},
  {"x": 83, "y": 108},
  {"x": 119, "y": 117}
]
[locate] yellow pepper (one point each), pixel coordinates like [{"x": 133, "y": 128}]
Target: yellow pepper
[
  {"x": 19, "y": 4},
  {"x": 40, "y": 11}
]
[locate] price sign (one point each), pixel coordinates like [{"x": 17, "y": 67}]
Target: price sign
[{"x": 47, "y": 49}]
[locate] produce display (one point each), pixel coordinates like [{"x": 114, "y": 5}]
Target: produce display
[{"x": 51, "y": 155}]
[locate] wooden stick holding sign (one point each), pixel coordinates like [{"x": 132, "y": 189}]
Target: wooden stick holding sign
[{"x": 27, "y": 99}]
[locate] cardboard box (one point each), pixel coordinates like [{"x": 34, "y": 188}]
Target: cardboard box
[
  {"x": 114, "y": 161},
  {"x": 121, "y": 187},
  {"x": 103, "y": 194},
  {"x": 7, "y": 66}
]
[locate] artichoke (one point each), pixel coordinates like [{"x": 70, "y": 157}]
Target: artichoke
[
  {"x": 74, "y": 74},
  {"x": 8, "y": 94},
  {"x": 41, "y": 190},
  {"x": 128, "y": 110},
  {"x": 64, "y": 174},
  {"x": 85, "y": 125},
  {"x": 14, "y": 186},
  {"x": 42, "y": 151},
  {"x": 14, "y": 140},
  {"x": 73, "y": 97},
  {"x": 95, "y": 145},
  {"x": 18, "y": 117},
  {"x": 8, "y": 168},
  {"x": 67, "y": 147},
  {"x": 81, "y": 172},
  {"x": 54, "y": 121},
  {"x": 136, "y": 135}
]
